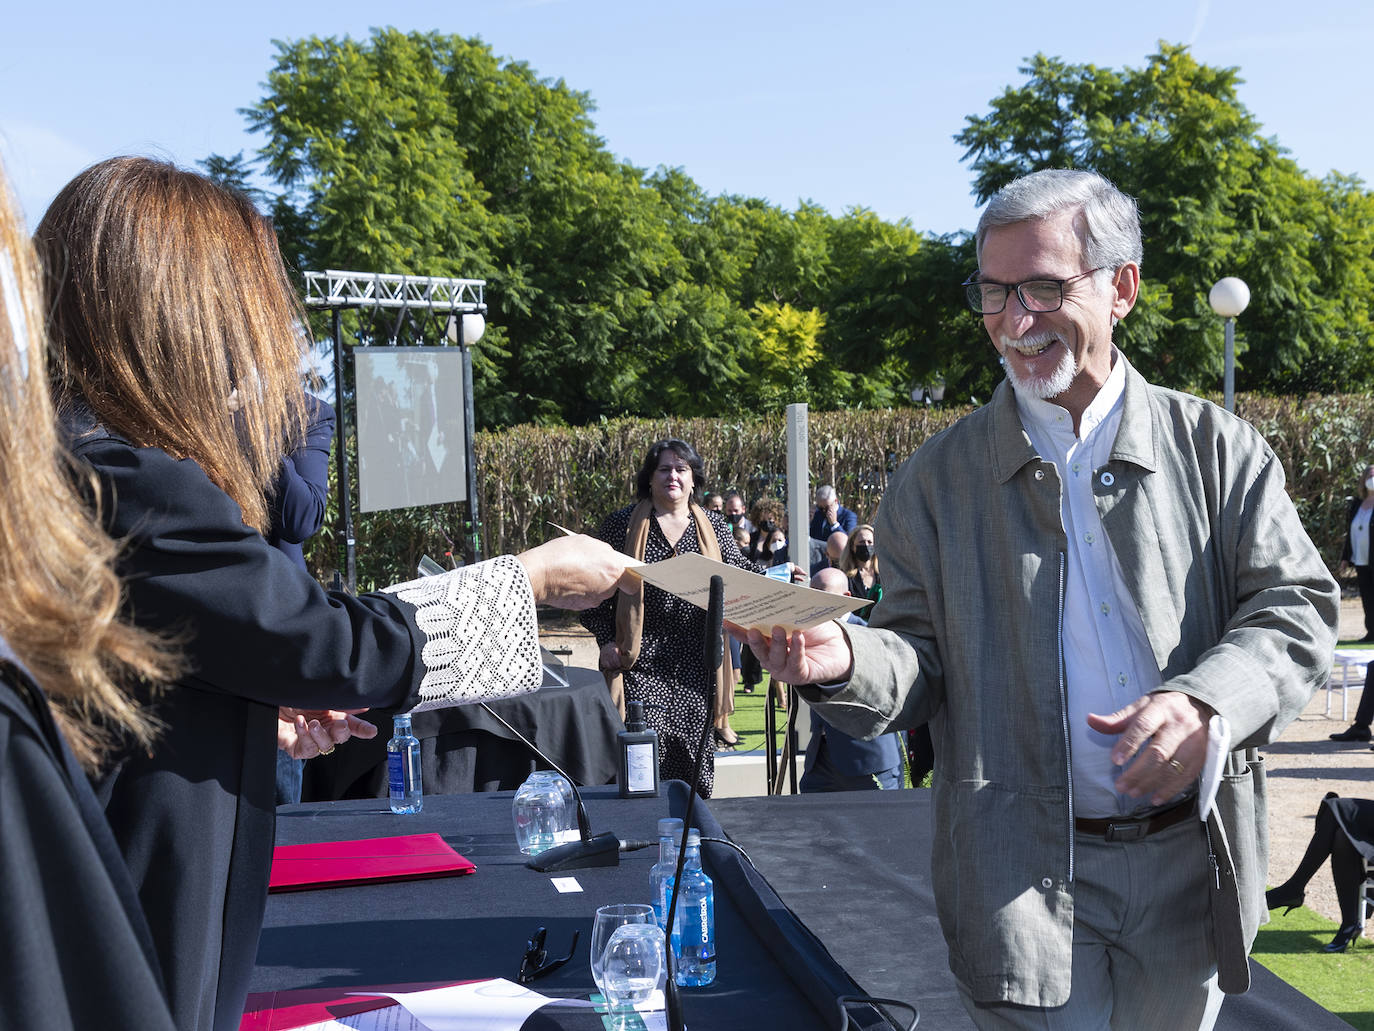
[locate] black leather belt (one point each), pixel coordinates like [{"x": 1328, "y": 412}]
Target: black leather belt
[{"x": 1134, "y": 828}]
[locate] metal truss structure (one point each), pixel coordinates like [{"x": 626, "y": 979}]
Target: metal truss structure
[
  {"x": 335, "y": 289},
  {"x": 398, "y": 310}
]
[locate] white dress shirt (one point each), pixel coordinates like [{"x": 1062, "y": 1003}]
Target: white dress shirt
[
  {"x": 1108, "y": 661},
  {"x": 1359, "y": 538}
]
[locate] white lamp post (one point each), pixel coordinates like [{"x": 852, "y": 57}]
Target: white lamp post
[{"x": 1229, "y": 297}]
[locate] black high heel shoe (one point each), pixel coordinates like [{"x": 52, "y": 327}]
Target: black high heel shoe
[
  {"x": 1281, "y": 896},
  {"x": 1343, "y": 938}
]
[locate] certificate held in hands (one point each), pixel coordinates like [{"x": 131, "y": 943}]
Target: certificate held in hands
[{"x": 328, "y": 864}]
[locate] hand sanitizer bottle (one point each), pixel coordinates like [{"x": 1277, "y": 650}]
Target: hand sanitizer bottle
[{"x": 638, "y": 754}]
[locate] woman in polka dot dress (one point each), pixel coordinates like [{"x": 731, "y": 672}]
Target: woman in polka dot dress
[{"x": 652, "y": 644}]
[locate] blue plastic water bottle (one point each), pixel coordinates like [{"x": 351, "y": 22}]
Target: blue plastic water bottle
[
  {"x": 403, "y": 768},
  {"x": 661, "y": 875},
  {"x": 697, "y": 915}
]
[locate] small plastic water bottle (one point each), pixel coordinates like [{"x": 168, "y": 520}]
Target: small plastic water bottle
[
  {"x": 403, "y": 767},
  {"x": 661, "y": 875},
  {"x": 697, "y": 912}
]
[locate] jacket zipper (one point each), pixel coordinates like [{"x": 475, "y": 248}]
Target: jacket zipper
[{"x": 1064, "y": 711}]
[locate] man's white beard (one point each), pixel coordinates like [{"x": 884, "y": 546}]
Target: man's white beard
[{"x": 1048, "y": 387}]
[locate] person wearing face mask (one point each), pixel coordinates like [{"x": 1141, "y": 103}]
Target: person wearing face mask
[
  {"x": 733, "y": 508},
  {"x": 1359, "y": 547},
  {"x": 859, "y": 562}
]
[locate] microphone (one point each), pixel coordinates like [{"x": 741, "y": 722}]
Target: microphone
[
  {"x": 715, "y": 630},
  {"x": 599, "y": 850},
  {"x": 714, "y": 653}
]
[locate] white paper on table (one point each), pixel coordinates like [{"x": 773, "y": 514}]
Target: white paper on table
[
  {"x": 1218, "y": 746},
  {"x": 495, "y": 1005}
]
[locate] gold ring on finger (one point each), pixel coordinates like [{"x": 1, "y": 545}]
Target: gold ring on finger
[{"x": 1178, "y": 766}]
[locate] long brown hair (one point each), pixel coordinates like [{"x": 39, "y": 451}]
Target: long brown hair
[
  {"x": 849, "y": 562},
  {"x": 167, "y": 292},
  {"x": 59, "y": 596}
]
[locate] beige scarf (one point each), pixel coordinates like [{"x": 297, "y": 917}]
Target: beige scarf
[{"x": 629, "y": 615}]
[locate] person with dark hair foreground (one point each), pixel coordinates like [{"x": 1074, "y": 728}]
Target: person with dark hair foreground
[
  {"x": 167, "y": 294},
  {"x": 651, "y": 642},
  {"x": 1344, "y": 833},
  {"x": 77, "y": 951}
]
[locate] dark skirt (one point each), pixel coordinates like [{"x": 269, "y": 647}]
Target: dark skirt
[{"x": 1356, "y": 819}]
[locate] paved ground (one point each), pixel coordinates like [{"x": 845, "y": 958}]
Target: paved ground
[{"x": 1303, "y": 765}]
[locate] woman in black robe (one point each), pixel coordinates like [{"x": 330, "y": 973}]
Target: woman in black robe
[{"x": 167, "y": 295}]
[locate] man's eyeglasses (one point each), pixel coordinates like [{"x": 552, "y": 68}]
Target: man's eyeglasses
[
  {"x": 1039, "y": 295},
  {"x": 536, "y": 962}
]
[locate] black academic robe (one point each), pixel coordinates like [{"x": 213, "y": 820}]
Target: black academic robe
[
  {"x": 195, "y": 818},
  {"x": 76, "y": 950}
]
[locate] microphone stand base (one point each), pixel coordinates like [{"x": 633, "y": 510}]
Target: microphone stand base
[{"x": 602, "y": 850}]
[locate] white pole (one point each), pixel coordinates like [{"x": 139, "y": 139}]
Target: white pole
[{"x": 798, "y": 486}]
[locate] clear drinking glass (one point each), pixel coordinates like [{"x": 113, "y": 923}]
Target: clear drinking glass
[
  {"x": 608, "y": 919},
  {"x": 544, "y": 812},
  {"x": 631, "y": 966}
]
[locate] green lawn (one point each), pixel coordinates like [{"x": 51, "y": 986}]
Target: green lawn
[{"x": 1341, "y": 982}]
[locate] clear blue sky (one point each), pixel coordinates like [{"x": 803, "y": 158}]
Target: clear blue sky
[{"x": 846, "y": 103}]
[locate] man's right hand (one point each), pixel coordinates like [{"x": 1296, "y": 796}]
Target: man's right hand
[
  {"x": 820, "y": 655},
  {"x": 610, "y": 656}
]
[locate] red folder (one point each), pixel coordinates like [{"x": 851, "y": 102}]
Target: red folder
[{"x": 366, "y": 861}]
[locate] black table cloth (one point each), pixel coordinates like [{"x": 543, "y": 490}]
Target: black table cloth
[
  {"x": 463, "y": 749},
  {"x": 771, "y": 972}
]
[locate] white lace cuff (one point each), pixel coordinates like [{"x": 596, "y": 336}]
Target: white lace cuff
[{"x": 481, "y": 634}]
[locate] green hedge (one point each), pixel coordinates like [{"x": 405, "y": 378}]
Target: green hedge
[{"x": 531, "y": 476}]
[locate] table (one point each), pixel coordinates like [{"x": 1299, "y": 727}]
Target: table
[
  {"x": 463, "y": 749},
  {"x": 1348, "y": 659},
  {"x": 855, "y": 867},
  {"x": 772, "y": 972}
]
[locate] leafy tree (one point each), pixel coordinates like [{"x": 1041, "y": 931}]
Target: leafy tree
[{"x": 236, "y": 173}]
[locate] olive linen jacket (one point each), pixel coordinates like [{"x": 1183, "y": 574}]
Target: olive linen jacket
[{"x": 1237, "y": 604}]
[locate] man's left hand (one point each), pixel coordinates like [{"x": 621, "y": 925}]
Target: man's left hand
[{"x": 1165, "y": 733}]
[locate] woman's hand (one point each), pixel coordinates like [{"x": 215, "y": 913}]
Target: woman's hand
[
  {"x": 306, "y": 733},
  {"x": 799, "y": 575},
  {"x": 610, "y": 656},
  {"x": 576, "y": 572}
]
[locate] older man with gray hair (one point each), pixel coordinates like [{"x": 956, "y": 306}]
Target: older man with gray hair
[
  {"x": 1077, "y": 577},
  {"x": 830, "y": 515}
]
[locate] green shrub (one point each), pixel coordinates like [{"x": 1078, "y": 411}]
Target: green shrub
[{"x": 530, "y": 476}]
